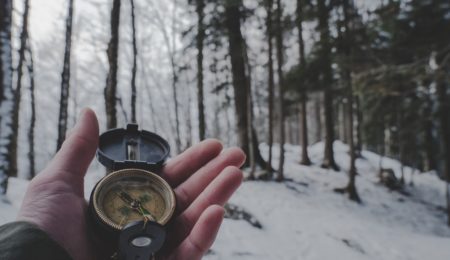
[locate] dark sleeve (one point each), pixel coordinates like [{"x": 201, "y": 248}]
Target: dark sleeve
[{"x": 23, "y": 240}]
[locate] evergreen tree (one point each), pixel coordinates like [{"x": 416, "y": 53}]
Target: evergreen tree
[
  {"x": 346, "y": 67},
  {"x": 323, "y": 12}
]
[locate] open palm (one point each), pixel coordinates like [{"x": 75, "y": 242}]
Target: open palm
[{"x": 203, "y": 178}]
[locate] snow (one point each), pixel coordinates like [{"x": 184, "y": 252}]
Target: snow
[{"x": 303, "y": 218}]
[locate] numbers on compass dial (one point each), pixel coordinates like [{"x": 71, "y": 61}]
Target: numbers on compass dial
[{"x": 128, "y": 201}]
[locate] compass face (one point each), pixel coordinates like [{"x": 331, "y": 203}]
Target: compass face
[{"x": 133, "y": 195}]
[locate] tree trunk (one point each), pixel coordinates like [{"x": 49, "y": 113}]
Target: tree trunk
[
  {"x": 240, "y": 80},
  {"x": 318, "y": 115},
  {"x": 200, "y": 39},
  {"x": 134, "y": 69},
  {"x": 328, "y": 161},
  {"x": 171, "y": 52},
  {"x": 359, "y": 120},
  {"x": 445, "y": 136},
  {"x": 189, "y": 119},
  {"x": 280, "y": 61},
  {"x": 351, "y": 187},
  {"x": 6, "y": 92},
  {"x": 175, "y": 100},
  {"x": 17, "y": 92},
  {"x": 304, "y": 118},
  {"x": 236, "y": 49},
  {"x": 271, "y": 83},
  {"x": 31, "y": 155},
  {"x": 251, "y": 148},
  {"x": 400, "y": 122},
  {"x": 65, "y": 82},
  {"x": 381, "y": 145},
  {"x": 430, "y": 158},
  {"x": 111, "y": 80}
]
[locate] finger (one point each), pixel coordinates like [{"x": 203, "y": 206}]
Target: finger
[
  {"x": 184, "y": 165},
  {"x": 78, "y": 149},
  {"x": 203, "y": 234},
  {"x": 192, "y": 187},
  {"x": 217, "y": 193}
]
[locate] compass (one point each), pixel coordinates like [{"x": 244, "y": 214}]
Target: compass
[{"x": 131, "y": 205}]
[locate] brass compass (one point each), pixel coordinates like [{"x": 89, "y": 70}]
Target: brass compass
[{"x": 132, "y": 203}]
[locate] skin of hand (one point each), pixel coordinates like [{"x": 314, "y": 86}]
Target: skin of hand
[{"x": 203, "y": 178}]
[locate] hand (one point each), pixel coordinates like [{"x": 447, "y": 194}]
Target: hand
[{"x": 202, "y": 177}]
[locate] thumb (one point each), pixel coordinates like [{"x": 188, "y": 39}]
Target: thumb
[{"x": 78, "y": 149}]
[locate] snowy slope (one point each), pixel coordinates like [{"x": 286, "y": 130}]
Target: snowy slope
[{"x": 304, "y": 219}]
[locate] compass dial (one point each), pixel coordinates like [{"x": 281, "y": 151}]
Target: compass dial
[{"x": 132, "y": 195}]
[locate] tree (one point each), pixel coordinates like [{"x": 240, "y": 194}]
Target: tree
[
  {"x": 236, "y": 48},
  {"x": 445, "y": 130},
  {"x": 200, "y": 6},
  {"x": 111, "y": 80},
  {"x": 281, "y": 112},
  {"x": 134, "y": 69},
  {"x": 65, "y": 81},
  {"x": 13, "y": 146},
  {"x": 170, "y": 43},
  {"x": 327, "y": 81},
  {"x": 349, "y": 12},
  {"x": 241, "y": 83},
  {"x": 31, "y": 150},
  {"x": 271, "y": 83},
  {"x": 6, "y": 92},
  {"x": 411, "y": 46},
  {"x": 302, "y": 61}
]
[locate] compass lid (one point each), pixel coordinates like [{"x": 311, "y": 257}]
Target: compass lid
[{"x": 132, "y": 148}]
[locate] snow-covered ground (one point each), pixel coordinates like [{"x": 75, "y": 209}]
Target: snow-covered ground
[{"x": 304, "y": 219}]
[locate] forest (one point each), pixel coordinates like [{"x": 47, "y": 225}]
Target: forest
[{"x": 264, "y": 75}]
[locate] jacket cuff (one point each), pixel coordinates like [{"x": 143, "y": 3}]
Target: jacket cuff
[{"x": 23, "y": 240}]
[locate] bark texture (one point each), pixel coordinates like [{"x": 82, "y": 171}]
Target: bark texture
[
  {"x": 6, "y": 92},
  {"x": 13, "y": 145},
  {"x": 200, "y": 6},
  {"x": 134, "y": 69},
  {"x": 351, "y": 188},
  {"x": 65, "y": 81},
  {"x": 240, "y": 80},
  {"x": 31, "y": 150},
  {"x": 324, "y": 14},
  {"x": 271, "y": 81},
  {"x": 236, "y": 50},
  {"x": 303, "y": 93},
  {"x": 111, "y": 80},
  {"x": 281, "y": 113}
]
